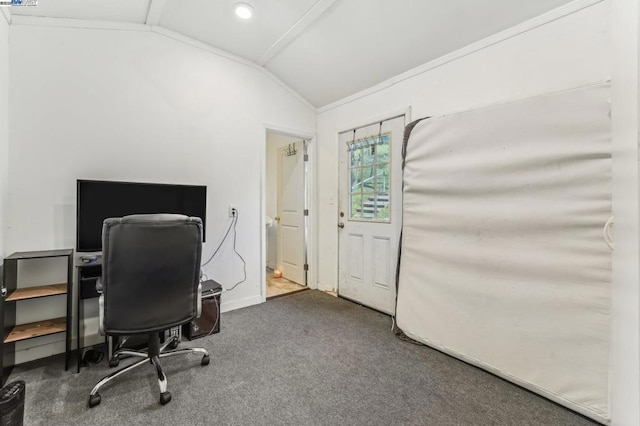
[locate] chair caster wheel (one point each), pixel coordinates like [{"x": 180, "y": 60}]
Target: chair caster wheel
[
  {"x": 174, "y": 344},
  {"x": 113, "y": 362},
  {"x": 94, "y": 400},
  {"x": 205, "y": 360},
  {"x": 165, "y": 397}
]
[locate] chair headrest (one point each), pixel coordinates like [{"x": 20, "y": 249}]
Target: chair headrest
[{"x": 154, "y": 218}]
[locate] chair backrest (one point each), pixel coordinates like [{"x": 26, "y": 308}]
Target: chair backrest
[{"x": 150, "y": 272}]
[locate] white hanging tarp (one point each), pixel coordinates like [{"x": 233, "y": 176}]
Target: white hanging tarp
[{"x": 503, "y": 259}]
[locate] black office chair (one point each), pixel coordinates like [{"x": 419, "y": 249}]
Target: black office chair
[{"x": 150, "y": 283}]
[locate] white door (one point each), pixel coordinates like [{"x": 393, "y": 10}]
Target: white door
[
  {"x": 370, "y": 213},
  {"x": 290, "y": 219}
]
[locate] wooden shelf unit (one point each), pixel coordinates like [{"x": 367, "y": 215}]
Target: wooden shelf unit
[
  {"x": 36, "y": 329},
  {"x": 35, "y": 292},
  {"x": 9, "y": 306}
]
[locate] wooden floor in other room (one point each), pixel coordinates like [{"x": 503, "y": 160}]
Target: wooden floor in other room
[{"x": 280, "y": 286}]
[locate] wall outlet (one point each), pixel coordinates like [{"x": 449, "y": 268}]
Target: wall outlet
[{"x": 231, "y": 210}]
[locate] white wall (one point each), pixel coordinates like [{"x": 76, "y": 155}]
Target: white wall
[
  {"x": 138, "y": 106},
  {"x": 4, "y": 125},
  {"x": 566, "y": 53},
  {"x": 569, "y": 52},
  {"x": 625, "y": 303}
]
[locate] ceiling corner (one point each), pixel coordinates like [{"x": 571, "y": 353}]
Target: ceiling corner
[
  {"x": 155, "y": 11},
  {"x": 6, "y": 13}
]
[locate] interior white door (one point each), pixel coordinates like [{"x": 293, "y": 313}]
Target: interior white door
[
  {"x": 290, "y": 257},
  {"x": 370, "y": 213}
]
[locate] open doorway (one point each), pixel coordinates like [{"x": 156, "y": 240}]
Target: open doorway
[{"x": 286, "y": 214}]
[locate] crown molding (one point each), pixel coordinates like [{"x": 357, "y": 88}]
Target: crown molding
[
  {"x": 41, "y": 21},
  {"x": 546, "y": 18}
]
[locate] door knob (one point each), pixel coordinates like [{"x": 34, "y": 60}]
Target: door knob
[
  {"x": 277, "y": 218},
  {"x": 340, "y": 225}
]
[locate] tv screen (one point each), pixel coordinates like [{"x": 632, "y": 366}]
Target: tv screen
[{"x": 99, "y": 200}]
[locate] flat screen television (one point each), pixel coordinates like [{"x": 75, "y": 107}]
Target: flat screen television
[{"x": 99, "y": 200}]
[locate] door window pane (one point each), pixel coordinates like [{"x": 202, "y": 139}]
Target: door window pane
[
  {"x": 367, "y": 178},
  {"x": 356, "y": 206},
  {"x": 382, "y": 206},
  {"x": 382, "y": 178},
  {"x": 368, "y": 205},
  {"x": 370, "y": 171},
  {"x": 356, "y": 180},
  {"x": 369, "y": 154},
  {"x": 383, "y": 149},
  {"x": 356, "y": 156}
]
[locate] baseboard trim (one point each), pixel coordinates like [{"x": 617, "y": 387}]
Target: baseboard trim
[
  {"x": 239, "y": 304},
  {"x": 56, "y": 345}
]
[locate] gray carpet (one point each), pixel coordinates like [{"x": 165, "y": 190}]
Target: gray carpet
[{"x": 304, "y": 359}]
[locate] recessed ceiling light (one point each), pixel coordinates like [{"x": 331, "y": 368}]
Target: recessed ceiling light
[{"x": 243, "y": 10}]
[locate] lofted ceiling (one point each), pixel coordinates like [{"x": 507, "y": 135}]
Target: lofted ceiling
[{"x": 324, "y": 49}]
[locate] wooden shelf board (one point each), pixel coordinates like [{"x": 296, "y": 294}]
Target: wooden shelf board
[
  {"x": 34, "y": 292},
  {"x": 36, "y": 329}
]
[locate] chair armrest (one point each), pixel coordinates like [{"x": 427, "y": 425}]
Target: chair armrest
[
  {"x": 99, "y": 285},
  {"x": 199, "y": 301}
]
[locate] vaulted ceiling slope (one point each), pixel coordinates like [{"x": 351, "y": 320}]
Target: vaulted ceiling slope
[{"x": 324, "y": 49}]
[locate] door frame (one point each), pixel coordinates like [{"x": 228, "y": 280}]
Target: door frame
[
  {"x": 356, "y": 125},
  {"x": 310, "y": 202}
]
